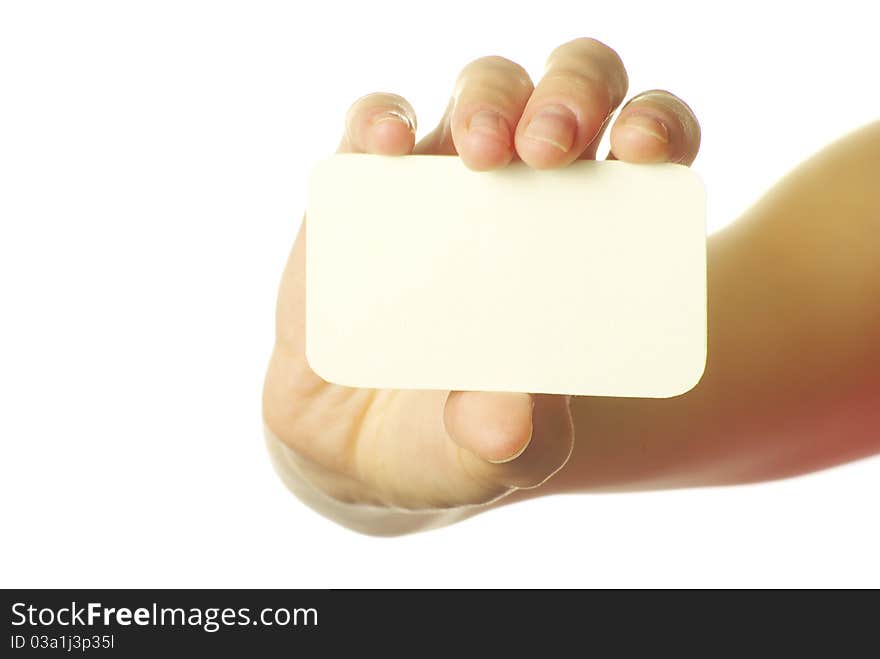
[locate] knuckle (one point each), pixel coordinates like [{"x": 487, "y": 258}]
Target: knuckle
[
  {"x": 594, "y": 60},
  {"x": 680, "y": 111},
  {"x": 667, "y": 99},
  {"x": 380, "y": 100},
  {"x": 586, "y": 48},
  {"x": 580, "y": 83},
  {"x": 493, "y": 75},
  {"x": 662, "y": 96},
  {"x": 495, "y": 65}
]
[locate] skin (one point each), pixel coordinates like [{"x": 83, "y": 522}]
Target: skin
[{"x": 792, "y": 382}]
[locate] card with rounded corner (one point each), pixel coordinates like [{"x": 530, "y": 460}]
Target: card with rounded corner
[{"x": 585, "y": 280}]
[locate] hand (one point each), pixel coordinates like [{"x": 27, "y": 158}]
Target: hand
[{"x": 421, "y": 450}]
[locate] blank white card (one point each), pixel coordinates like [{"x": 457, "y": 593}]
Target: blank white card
[{"x": 587, "y": 280}]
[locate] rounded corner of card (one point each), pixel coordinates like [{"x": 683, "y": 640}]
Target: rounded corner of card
[
  {"x": 690, "y": 378},
  {"x": 314, "y": 361}
]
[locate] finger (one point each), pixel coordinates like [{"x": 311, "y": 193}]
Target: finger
[
  {"x": 384, "y": 124},
  {"x": 489, "y": 98},
  {"x": 656, "y": 126},
  {"x": 439, "y": 141},
  {"x": 490, "y": 84},
  {"x": 584, "y": 82},
  {"x": 509, "y": 439},
  {"x": 377, "y": 123},
  {"x": 496, "y": 426}
]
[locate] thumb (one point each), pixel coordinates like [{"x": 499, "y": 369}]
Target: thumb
[{"x": 511, "y": 439}]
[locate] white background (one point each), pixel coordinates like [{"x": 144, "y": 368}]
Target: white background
[{"x": 153, "y": 157}]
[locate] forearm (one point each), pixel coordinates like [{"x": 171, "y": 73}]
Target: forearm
[{"x": 792, "y": 382}]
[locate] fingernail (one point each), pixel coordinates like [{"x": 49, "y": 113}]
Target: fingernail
[
  {"x": 522, "y": 449},
  {"x": 392, "y": 115},
  {"x": 554, "y": 125},
  {"x": 489, "y": 123},
  {"x": 649, "y": 126}
]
